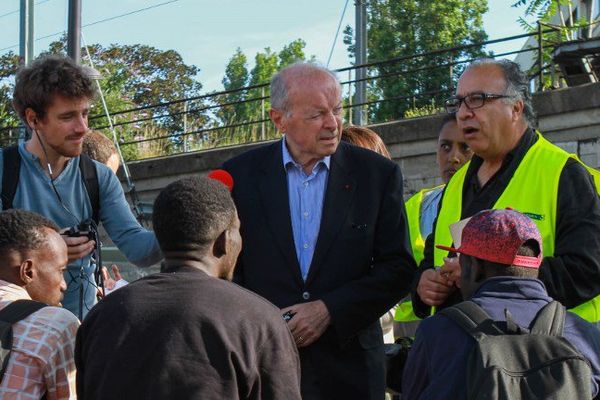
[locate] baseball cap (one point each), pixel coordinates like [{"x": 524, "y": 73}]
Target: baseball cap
[{"x": 497, "y": 235}]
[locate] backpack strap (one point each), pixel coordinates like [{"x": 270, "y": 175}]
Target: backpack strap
[
  {"x": 473, "y": 319},
  {"x": 19, "y": 309},
  {"x": 10, "y": 175},
  {"x": 10, "y": 179},
  {"x": 550, "y": 320},
  {"x": 90, "y": 181},
  {"x": 512, "y": 328},
  {"x": 14, "y": 312}
]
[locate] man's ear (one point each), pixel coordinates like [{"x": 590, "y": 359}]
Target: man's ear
[
  {"x": 518, "y": 110},
  {"x": 26, "y": 271},
  {"x": 278, "y": 118},
  {"x": 220, "y": 246},
  {"x": 31, "y": 118}
]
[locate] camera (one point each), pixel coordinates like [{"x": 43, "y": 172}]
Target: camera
[
  {"x": 83, "y": 229},
  {"x": 88, "y": 229}
]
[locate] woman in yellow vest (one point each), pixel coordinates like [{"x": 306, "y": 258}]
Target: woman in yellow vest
[{"x": 421, "y": 209}]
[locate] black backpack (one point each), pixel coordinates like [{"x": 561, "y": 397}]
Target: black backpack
[
  {"x": 516, "y": 363},
  {"x": 10, "y": 179},
  {"x": 14, "y": 312}
]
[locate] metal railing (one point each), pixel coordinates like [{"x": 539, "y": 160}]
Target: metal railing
[{"x": 240, "y": 115}]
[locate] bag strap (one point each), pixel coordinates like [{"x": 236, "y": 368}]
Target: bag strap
[
  {"x": 90, "y": 181},
  {"x": 473, "y": 319},
  {"x": 20, "y": 309},
  {"x": 10, "y": 179},
  {"x": 550, "y": 320},
  {"x": 14, "y": 312},
  {"x": 10, "y": 175}
]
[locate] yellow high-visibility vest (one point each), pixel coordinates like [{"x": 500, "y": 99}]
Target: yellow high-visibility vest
[
  {"x": 413, "y": 215},
  {"x": 404, "y": 312},
  {"x": 533, "y": 190}
]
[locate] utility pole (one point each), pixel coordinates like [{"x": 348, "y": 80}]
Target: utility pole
[
  {"x": 25, "y": 44},
  {"x": 26, "y": 32},
  {"x": 74, "y": 33},
  {"x": 360, "y": 97}
]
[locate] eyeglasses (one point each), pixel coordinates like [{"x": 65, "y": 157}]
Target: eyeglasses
[{"x": 472, "y": 101}]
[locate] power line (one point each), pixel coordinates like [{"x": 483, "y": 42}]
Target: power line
[
  {"x": 100, "y": 21},
  {"x": 337, "y": 33},
  {"x": 130, "y": 13},
  {"x": 16, "y": 11}
]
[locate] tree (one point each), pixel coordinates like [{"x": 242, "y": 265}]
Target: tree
[
  {"x": 236, "y": 77},
  {"x": 412, "y": 27},
  {"x": 550, "y": 13},
  {"x": 291, "y": 53},
  {"x": 544, "y": 11},
  {"x": 265, "y": 66},
  {"x": 9, "y": 119},
  {"x": 253, "y": 104},
  {"x": 137, "y": 76}
]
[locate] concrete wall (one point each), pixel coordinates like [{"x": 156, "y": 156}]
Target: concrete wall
[{"x": 568, "y": 117}]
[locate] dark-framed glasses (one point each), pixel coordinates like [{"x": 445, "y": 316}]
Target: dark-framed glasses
[{"x": 472, "y": 101}]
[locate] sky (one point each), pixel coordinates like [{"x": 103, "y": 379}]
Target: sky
[{"x": 207, "y": 32}]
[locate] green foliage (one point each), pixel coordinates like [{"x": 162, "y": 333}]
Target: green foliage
[
  {"x": 423, "y": 111},
  {"x": 411, "y": 27},
  {"x": 253, "y": 111},
  {"x": 9, "y": 63},
  {"x": 543, "y": 12},
  {"x": 236, "y": 77},
  {"x": 266, "y": 64},
  {"x": 136, "y": 76},
  {"x": 292, "y": 53}
]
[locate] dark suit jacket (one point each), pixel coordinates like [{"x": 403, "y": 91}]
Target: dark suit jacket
[{"x": 362, "y": 264}]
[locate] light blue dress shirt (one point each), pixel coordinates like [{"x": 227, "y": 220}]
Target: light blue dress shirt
[
  {"x": 306, "y": 193},
  {"x": 429, "y": 210}
]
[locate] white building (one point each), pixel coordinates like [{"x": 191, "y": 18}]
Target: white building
[{"x": 583, "y": 65}]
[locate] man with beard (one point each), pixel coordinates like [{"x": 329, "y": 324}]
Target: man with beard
[{"x": 48, "y": 175}]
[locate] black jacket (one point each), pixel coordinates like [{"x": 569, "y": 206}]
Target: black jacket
[
  {"x": 572, "y": 275},
  {"x": 362, "y": 263}
]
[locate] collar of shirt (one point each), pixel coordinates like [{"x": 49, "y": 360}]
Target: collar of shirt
[
  {"x": 11, "y": 292},
  {"x": 476, "y": 197},
  {"x": 516, "y": 154},
  {"x": 41, "y": 165},
  {"x": 288, "y": 160}
]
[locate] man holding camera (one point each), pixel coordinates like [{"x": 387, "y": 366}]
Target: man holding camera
[{"x": 47, "y": 175}]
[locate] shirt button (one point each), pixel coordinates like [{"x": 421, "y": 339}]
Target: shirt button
[
  {"x": 306, "y": 245},
  {"x": 305, "y": 184},
  {"x": 305, "y": 214},
  {"x": 306, "y": 295}
]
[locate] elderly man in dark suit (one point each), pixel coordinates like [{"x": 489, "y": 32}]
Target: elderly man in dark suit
[{"x": 325, "y": 236}]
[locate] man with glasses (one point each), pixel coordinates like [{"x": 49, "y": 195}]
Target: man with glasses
[{"x": 514, "y": 166}]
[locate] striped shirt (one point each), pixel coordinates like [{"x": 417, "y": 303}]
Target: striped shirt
[{"x": 42, "y": 356}]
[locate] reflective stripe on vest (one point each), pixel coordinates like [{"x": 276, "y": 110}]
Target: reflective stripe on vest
[
  {"x": 404, "y": 312},
  {"x": 533, "y": 190},
  {"x": 413, "y": 215}
]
